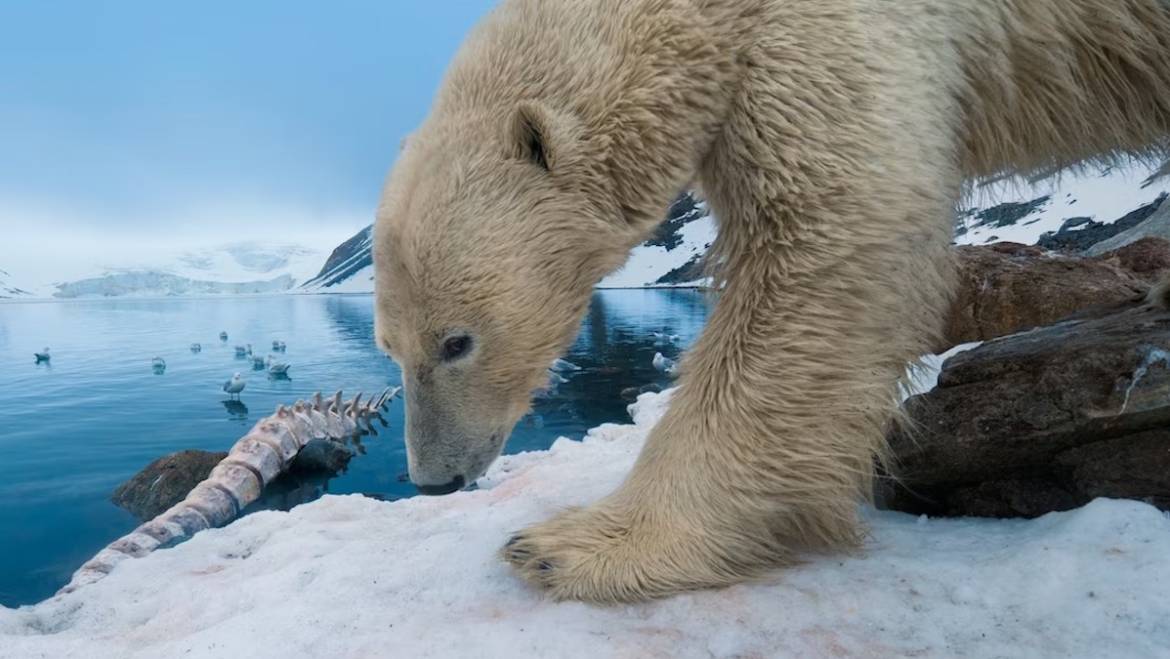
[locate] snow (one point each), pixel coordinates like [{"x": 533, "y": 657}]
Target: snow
[
  {"x": 1103, "y": 194},
  {"x": 361, "y": 281},
  {"x": 647, "y": 263},
  {"x": 354, "y": 577},
  {"x": 922, "y": 376}
]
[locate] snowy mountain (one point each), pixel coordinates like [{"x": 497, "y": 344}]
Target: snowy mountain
[
  {"x": 349, "y": 268},
  {"x": 230, "y": 269},
  {"x": 1069, "y": 212},
  {"x": 673, "y": 256},
  {"x": 669, "y": 258},
  {"x": 1066, "y": 212}
]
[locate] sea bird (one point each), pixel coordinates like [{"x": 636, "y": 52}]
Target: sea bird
[{"x": 234, "y": 386}]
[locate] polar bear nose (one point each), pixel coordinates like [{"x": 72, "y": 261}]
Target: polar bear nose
[{"x": 446, "y": 488}]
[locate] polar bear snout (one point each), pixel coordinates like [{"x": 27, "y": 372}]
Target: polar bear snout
[
  {"x": 450, "y": 442},
  {"x": 454, "y": 485}
]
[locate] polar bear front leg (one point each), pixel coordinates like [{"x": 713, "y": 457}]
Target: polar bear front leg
[
  {"x": 828, "y": 289},
  {"x": 770, "y": 440}
]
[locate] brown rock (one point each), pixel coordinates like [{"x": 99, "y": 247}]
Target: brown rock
[
  {"x": 165, "y": 482},
  {"x": 1043, "y": 420},
  {"x": 1147, "y": 259},
  {"x": 1008, "y": 287}
]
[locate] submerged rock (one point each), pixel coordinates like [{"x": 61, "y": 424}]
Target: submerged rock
[
  {"x": 322, "y": 456},
  {"x": 165, "y": 482},
  {"x": 1043, "y": 420}
]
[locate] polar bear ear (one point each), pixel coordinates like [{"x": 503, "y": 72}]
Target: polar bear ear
[{"x": 533, "y": 129}]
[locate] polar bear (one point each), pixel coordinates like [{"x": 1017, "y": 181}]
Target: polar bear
[{"x": 831, "y": 138}]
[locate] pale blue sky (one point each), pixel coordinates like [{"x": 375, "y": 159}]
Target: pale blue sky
[{"x": 257, "y": 116}]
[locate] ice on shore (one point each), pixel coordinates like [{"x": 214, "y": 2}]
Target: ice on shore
[{"x": 348, "y": 576}]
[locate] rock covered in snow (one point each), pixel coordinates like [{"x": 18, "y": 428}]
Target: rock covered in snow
[
  {"x": 1157, "y": 225},
  {"x": 1043, "y": 420},
  {"x": 353, "y": 577},
  {"x": 1085, "y": 235},
  {"x": 349, "y": 268}
]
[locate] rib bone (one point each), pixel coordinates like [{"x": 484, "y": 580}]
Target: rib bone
[{"x": 261, "y": 455}]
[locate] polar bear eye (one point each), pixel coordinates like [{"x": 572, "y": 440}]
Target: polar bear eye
[{"x": 455, "y": 347}]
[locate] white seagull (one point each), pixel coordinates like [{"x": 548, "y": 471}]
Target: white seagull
[
  {"x": 223, "y": 336},
  {"x": 158, "y": 364},
  {"x": 277, "y": 369},
  {"x": 195, "y": 347},
  {"x": 235, "y": 385},
  {"x": 42, "y": 356},
  {"x": 664, "y": 364}
]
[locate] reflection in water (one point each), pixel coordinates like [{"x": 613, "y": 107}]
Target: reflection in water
[
  {"x": 111, "y": 416},
  {"x": 235, "y": 409}
]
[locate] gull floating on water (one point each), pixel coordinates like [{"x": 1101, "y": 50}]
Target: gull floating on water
[
  {"x": 258, "y": 363},
  {"x": 223, "y": 336},
  {"x": 278, "y": 346},
  {"x": 42, "y": 356},
  {"x": 235, "y": 385},
  {"x": 277, "y": 369},
  {"x": 158, "y": 364},
  {"x": 244, "y": 350},
  {"x": 662, "y": 338},
  {"x": 195, "y": 347},
  {"x": 664, "y": 364}
]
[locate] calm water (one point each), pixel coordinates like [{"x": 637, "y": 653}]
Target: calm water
[{"x": 70, "y": 432}]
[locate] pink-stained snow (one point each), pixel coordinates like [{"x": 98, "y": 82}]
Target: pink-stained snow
[{"x": 354, "y": 577}]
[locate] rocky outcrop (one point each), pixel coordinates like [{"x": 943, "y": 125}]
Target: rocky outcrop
[
  {"x": 167, "y": 481},
  {"x": 1157, "y": 225},
  {"x": 1008, "y": 287},
  {"x": 346, "y": 260},
  {"x": 1078, "y": 235},
  {"x": 1043, "y": 420}
]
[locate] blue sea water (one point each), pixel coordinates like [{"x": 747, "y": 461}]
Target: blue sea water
[{"x": 74, "y": 429}]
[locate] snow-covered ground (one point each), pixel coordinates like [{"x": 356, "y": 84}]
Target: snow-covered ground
[{"x": 354, "y": 577}]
